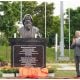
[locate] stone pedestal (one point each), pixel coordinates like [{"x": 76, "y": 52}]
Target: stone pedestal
[{"x": 28, "y": 52}]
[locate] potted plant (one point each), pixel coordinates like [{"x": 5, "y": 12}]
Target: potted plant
[
  {"x": 51, "y": 72},
  {"x": 9, "y": 72}
]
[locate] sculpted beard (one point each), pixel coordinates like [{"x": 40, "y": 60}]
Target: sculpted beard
[{"x": 28, "y": 25}]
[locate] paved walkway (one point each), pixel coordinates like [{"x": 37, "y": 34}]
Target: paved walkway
[{"x": 64, "y": 66}]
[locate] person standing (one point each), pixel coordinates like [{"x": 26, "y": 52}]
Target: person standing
[{"x": 76, "y": 46}]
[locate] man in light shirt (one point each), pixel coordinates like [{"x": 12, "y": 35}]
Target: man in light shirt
[{"x": 76, "y": 45}]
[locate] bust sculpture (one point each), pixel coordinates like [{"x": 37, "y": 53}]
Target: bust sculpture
[{"x": 28, "y": 30}]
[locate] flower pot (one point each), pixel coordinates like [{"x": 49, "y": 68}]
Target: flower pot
[
  {"x": 51, "y": 74},
  {"x": 8, "y": 75}
]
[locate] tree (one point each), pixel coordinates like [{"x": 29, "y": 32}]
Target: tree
[
  {"x": 8, "y": 20},
  {"x": 74, "y": 20},
  {"x": 12, "y": 15},
  {"x": 53, "y": 30},
  {"x": 28, "y": 7},
  {"x": 39, "y": 17}
]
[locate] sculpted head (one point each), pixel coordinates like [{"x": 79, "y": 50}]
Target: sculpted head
[{"x": 27, "y": 21}]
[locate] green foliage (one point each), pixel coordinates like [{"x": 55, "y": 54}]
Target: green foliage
[
  {"x": 12, "y": 15},
  {"x": 8, "y": 20},
  {"x": 11, "y": 70},
  {"x": 50, "y": 55},
  {"x": 51, "y": 40},
  {"x": 3, "y": 41},
  {"x": 51, "y": 70},
  {"x": 56, "y": 24},
  {"x": 28, "y": 7},
  {"x": 65, "y": 73},
  {"x": 51, "y": 31},
  {"x": 1, "y": 58},
  {"x": 74, "y": 20},
  {"x": 0, "y": 74},
  {"x": 39, "y": 17},
  {"x": 5, "y": 53}
]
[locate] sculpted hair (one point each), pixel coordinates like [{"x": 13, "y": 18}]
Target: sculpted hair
[{"x": 27, "y": 17}]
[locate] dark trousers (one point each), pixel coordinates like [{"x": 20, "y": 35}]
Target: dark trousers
[{"x": 77, "y": 61}]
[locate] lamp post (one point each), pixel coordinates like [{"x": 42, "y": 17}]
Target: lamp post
[
  {"x": 56, "y": 46},
  {"x": 69, "y": 31},
  {"x": 20, "y": 22},
  {"x": 20, "y": 12},
  {"x": 1, "y": 14},
  {"x": 61, "y": 30},
  {"x": 62, "y": 56},
  {"x": 45, "y": 19}
]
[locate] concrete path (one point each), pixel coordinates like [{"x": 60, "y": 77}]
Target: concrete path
[{"x": 64, "y": 66}]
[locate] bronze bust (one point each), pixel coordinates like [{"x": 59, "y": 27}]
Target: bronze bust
[{"x": 28, "y": 30}]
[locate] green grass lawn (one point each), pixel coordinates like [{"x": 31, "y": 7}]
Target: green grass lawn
[
  {"x": 50, "y": 55},
  {"x": 65, "y": 74},
  {"x": 5, "y": 53}
]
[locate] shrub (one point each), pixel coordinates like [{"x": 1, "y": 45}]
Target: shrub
[
  {"x": 1, "y": 58},
  {"x": 51, "y": 70},
  {"x": 0, "y": 74},
  {"x": 12, "y": 70}
]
